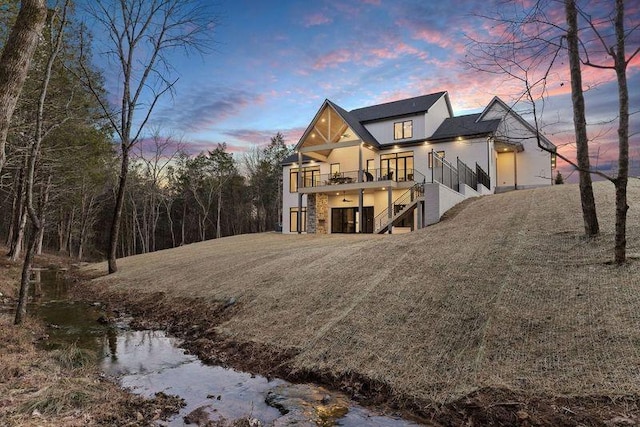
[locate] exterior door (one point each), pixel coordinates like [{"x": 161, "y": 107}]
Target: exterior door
[
  {"x": 506, "y": 170},
  {"x": 345, "y": 220}
]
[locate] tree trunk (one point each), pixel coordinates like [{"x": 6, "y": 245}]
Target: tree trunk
[
  {"x": 589, "y": 215},
  {"x": 623, "y": 137},
  {"x": 218, "y": 233},
  {"x": 14, "y": 207},
  {"x": 85, "y": 221},
  {"x": 15, "y": 60},
  {"x": 117, "y": 212},
  {"x": 184, "y": 221},
  {"x": 42, "y": 205},
  {"x": 34, "y": 154},
  {"x": 21, "y": 310},
  {"x": 18, "y": 240},
  {"x": 69, "y": 232}
]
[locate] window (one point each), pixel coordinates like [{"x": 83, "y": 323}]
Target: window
[
  {"x": 310, "y": 178},
  {"x": 397, "y": 166},
  {"x": 335, "y": 169},
  {"x": 403, "y": 130},
  {"x": 293, "y": 181},
  {"x": 293, "y": 220},
  {"x": 439, "y": 153},
  {"x": 553, "y": 160},
  {"x": 371, "y": 165}
]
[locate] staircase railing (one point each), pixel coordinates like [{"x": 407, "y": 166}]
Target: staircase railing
[
  {"x": 483, "y": 177},
  {"x": 400, "y": 206}
]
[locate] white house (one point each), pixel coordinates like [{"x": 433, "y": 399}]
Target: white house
[{"x": 399, "y": 166}]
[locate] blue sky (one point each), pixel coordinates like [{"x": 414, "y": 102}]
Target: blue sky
[{"x": 274, "y": 62}]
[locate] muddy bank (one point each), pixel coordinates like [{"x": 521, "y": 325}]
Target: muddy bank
[
  {"x": 195, "y": 321},
  {"x": 62, "y": 387}
]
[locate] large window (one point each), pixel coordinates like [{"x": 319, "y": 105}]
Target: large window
[
  {"x": 293, "y": 220},
  {"x": 310, "y": 178},
  {"x": 397, "y": 166},
  {"x": 403, "y": 130}
]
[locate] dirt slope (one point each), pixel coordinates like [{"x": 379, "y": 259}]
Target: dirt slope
[{"x": 505, "y": 293}]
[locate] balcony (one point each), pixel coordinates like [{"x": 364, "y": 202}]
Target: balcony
[{"x": 350, "y": 180}]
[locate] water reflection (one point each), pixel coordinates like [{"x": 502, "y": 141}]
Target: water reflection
[
  {"x": 148, "y": 362},
  {"x": 69, "y": 322}
]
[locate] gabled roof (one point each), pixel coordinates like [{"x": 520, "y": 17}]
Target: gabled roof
[
  {"x": 399, "y": 108},
  {"x": 465, "y": 126},
  {"x": 350, "y": 120},
  {"x": 355, "y": 124},
  {"x": 526, "y": 124}
]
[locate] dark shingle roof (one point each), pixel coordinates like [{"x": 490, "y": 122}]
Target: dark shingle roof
[
  {"x": 402, "y": 107},
  {"x": 464, "y": 126}
]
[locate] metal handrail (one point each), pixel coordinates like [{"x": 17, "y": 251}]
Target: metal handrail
[
  {"x": 443, "y": 172},
  {"x": 466, "y": 175},
  {"x": 349, "y": 177},
  {"x": 483, "y": 177},
  {"x": 383, "y": 219}
]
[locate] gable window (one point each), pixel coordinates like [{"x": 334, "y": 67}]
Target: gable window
[{"x": 403, "y": 130}]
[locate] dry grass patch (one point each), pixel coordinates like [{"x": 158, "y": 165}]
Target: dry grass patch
[
  {"x": 63, "y": 388},
  {"x": 506, "y": 293}
]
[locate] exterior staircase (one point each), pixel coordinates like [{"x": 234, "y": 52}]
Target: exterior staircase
[{"x": 402, "y": 206}]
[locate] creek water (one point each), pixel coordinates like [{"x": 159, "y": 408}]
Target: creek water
[{"x": 147, "y": 362}]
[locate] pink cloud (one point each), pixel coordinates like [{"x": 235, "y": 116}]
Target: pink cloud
[
  {"x": 334, "y": 58},
  {"x": 437, "y": 37},
  {"x": 316, "y": 19}
]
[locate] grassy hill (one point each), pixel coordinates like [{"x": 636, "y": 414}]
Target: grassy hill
[{"x": 505, "y": 292}]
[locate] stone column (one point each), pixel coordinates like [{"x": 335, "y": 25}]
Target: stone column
[
  {"x": 311, "y": 213},
  {"x": 322, "y": 213}
]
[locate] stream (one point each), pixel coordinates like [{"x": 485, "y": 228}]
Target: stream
[{"x": 148, "y": 361}]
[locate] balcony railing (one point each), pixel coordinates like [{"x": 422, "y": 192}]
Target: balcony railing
[{"x": 349, "y": 177}]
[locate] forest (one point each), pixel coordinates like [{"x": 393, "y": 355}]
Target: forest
[{"x": 171, "y": 197}]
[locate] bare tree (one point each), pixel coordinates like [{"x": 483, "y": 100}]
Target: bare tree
[
  {"x": 529, "y": 56},
  {"x": 589, "y": 214},
  {"x": 141, "y": 35},
  {"x": 156, "y": 157},
  {"x": 15, "y": 60},
  {"x": 34, "y": 153}
]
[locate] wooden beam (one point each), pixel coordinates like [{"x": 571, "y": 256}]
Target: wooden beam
[
  {"x": 317, "y": 156},
  {"x": 329, "y": 146},
  {"x": 320, "y": 133}
]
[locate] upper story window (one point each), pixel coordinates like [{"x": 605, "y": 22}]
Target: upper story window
[
  {"x": 403, "y": 130},
  {"x": 310, "y": 178}
]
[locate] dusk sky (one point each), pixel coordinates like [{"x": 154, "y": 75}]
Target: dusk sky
[{"x": 274, "y": 63}]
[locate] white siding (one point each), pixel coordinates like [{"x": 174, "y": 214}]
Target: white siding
[
  {"x": 383, "y": 131},
  {"x": 436, "y": 115},
  {"x": 533, "y": 164}
]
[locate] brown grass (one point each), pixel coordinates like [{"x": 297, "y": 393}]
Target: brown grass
[
  {"x": 63, "y": 388},
  {"x": 507, "y": 293}
]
